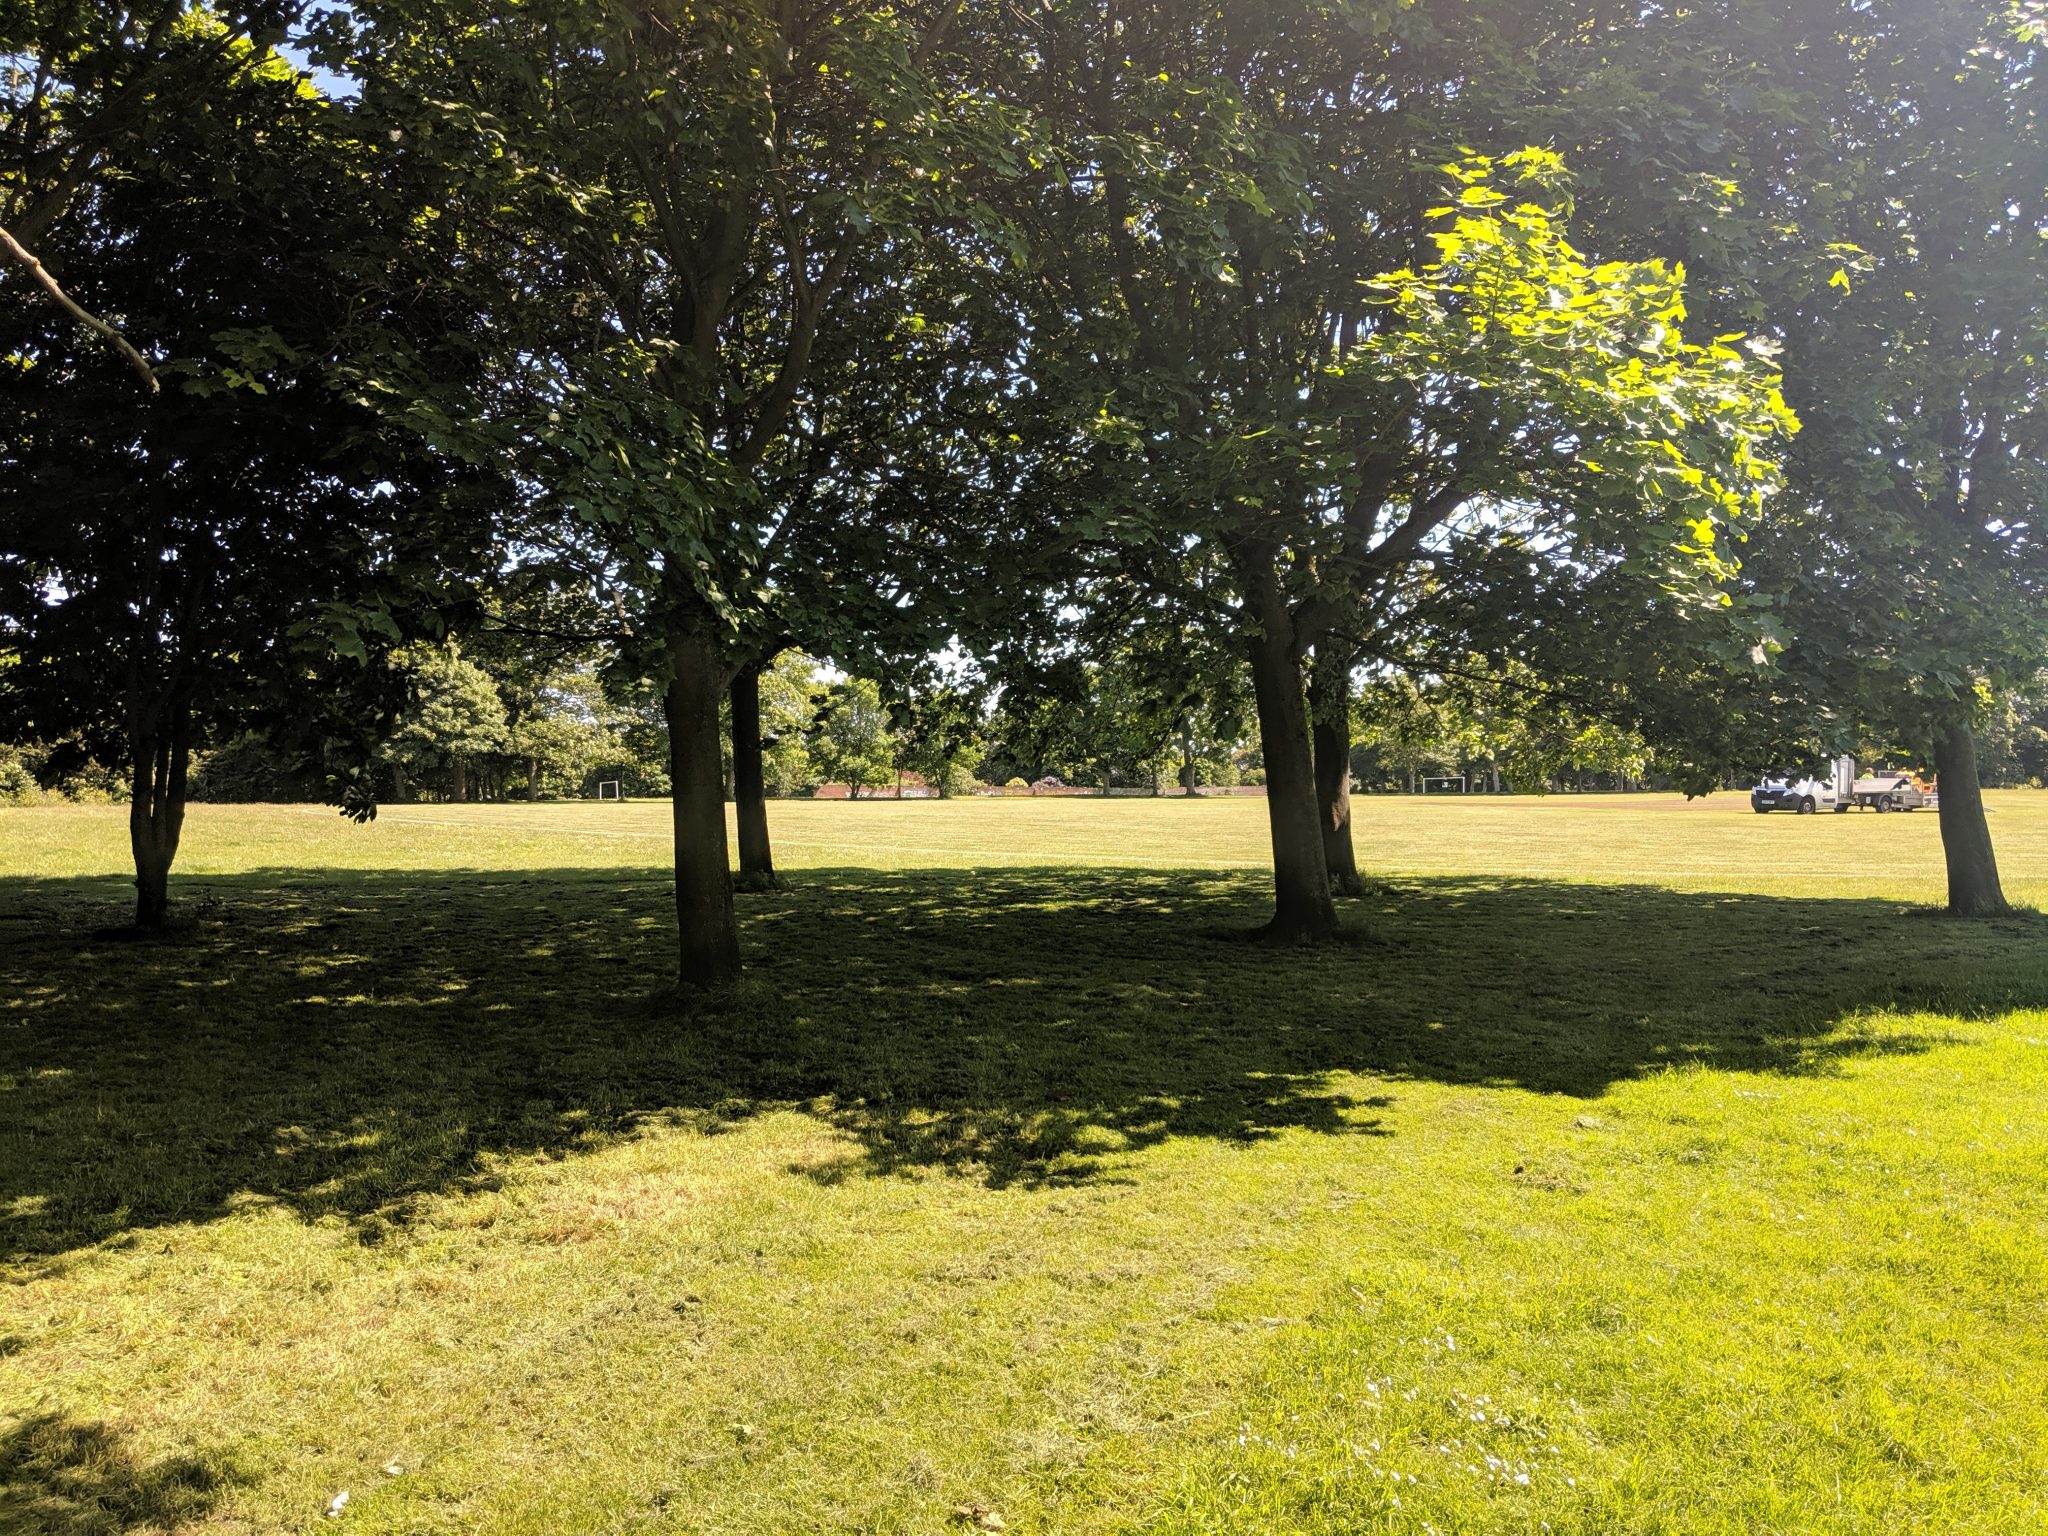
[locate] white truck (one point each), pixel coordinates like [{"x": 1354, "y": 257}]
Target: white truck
[
  {"x": 1788, "y": 792},
  {"x": 1840, "y": 791}
]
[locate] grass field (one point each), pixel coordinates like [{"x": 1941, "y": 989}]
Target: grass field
[{"x": 1636, "y": 1168}]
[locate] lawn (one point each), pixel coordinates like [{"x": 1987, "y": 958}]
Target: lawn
[{"x": 1635, "y": 1168}]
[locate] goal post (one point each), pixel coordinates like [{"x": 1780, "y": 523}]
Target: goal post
[
  {"x": 610, "y": 789},
  {"x": 1446, "y": 781}
]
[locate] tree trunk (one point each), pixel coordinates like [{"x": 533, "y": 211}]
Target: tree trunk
[
  {"x": 1187, "y": 755},
  {"x": 1303, "y": 909},
  {"x": 156, "y": 812},
  {"x": 460, "y": 791},
  {"x": 706, "y": 930},
  {"x": 398, "y": 785},
  {"x": 1331, "y": 723},
  {"x": 749, "y": 783},
  {"x": 1973, "y": 888},
  {"x": 532, "y": 778}
]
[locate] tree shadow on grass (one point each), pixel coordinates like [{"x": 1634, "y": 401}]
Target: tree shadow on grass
[
  {"x": 63, "y": 1477},
  {"x": 348, "y": 1042}
]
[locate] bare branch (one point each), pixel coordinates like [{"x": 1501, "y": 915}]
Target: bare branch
[{"x": 64, "y": 301}]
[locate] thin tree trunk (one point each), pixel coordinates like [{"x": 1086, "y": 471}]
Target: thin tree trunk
[
  {"x": 1331, "y": 724},
  {"x": 461, "y": 781},
  {"x": 1973, "y": 888},
  {"x": 708, "y": 946},
  {"x": 398, "y": 785},
  {"x": 1303, "y": 910},
  {"x": 1187, "y": 755},
  {"x": 749, "y": 783},
  {"x": 159, "y": 762},
  {"x": 532, "y": 778}
]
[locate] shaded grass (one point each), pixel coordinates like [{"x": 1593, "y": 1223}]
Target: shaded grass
[
  {"x": 68, "y": 1478},
  {"x": 344, "y": 1043},
  {"x": 1031, "y": 1189}
]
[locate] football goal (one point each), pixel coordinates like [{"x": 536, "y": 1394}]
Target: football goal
[
  {"x": 609, "y": 789},
  {"x": 1445, "y": 784}
]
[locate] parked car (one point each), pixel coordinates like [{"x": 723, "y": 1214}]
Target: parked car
[{"x": 1804, "y": 796}]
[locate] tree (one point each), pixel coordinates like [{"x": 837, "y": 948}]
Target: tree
[
  {"x": 938, "y": 724},
  {"x": 557, "y": 750},
  {"x": 2014, "y": 741},
  {"x": 636, "y": 751},
  {"x": 1866, "y": 180},
  {"x": 770, "y": 709},
  {"x": 1277, "y": 382},
  {"x": 789, "y": 689},
  {"x": 92, "y": 86},
  {"x": 544, "y": 638},
  {"x": 897, "y": 526},
  {"x": 1932, "y": 406},
  {"x": 248, "y": 543},
  {"x": 850, "y": 741},
  {"x": 455, "y": 721},
  {"x": 1404, "y": 729},
  {"x": 676, "y": 197}
]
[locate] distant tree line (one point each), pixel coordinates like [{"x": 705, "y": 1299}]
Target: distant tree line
[{"x": 466, "y": 734}]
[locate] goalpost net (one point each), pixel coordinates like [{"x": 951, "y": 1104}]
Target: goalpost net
[
  {"x": 609, "y": 789},
  {"x": 1430, "y": 785}
]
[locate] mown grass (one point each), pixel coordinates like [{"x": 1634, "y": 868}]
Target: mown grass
[{"x": 1635, "y": 1169}]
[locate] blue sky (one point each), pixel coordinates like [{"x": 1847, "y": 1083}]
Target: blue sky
[{"x": 330, "y": 82}]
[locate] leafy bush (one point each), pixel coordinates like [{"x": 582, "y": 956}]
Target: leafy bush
[
  {"x": 95, "y": 784},
  {"x": 1016, "y": 784},
  {"x": 26, "y": 773},
  {"x": 18, "y": 785}
]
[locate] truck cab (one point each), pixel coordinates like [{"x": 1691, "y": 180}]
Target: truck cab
[{"x": 1800, "y": 793}]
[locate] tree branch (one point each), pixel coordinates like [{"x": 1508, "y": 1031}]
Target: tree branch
[
  {"x": 64, "y": 301},
  {"x": 1422, "y": 520}
]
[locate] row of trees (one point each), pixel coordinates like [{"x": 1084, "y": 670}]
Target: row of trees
[
  {"x": 1243, "y": 350},
  {"x": 496, "y": 728},
  {"x": 466, "y": 734}
]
